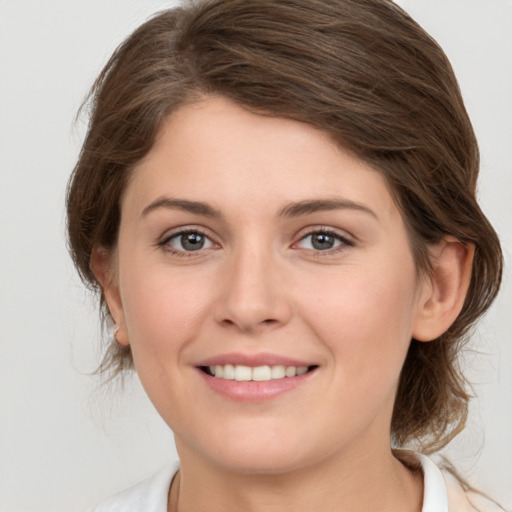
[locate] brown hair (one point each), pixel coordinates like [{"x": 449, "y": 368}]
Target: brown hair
[{"x": 362, "y": 71}]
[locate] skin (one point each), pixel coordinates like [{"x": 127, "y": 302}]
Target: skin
[{"x": 260, "y": 286}]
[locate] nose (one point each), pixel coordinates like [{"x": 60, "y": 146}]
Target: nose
[{"x": 253, "y": 296}]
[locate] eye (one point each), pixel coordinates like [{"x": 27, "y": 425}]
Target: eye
[
  {"x": 323, "y": 241},
  {"x": 187, "y": 241}
]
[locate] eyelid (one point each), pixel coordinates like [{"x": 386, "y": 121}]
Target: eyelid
[
  {"x": 169, "y": 233},
  {"x": 320, "y": 228},
  {"x": 163, "y": 241},
  {"x": 345, "y": 238}
]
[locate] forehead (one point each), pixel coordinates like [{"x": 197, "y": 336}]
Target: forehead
[{"x": 216, "y": 150}]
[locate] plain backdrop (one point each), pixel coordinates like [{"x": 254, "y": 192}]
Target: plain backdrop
[{"x": 65, "y": 442}]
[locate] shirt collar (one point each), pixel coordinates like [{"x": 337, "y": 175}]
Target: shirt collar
[{"x": 435, "y": 495}]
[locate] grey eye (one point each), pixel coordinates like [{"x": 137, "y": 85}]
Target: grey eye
[
  {"x": 190, "y": 241},
  {"x": 321, "y": 241}
]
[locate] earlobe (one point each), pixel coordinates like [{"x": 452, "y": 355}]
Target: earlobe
[
  {"x": 102, "y": 261},
  {"x": 444, "y": 292}
]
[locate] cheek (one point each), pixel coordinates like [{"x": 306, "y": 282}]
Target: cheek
[
  {"x": 365, "y": 317},
  {"x": 164, "y": 310}
]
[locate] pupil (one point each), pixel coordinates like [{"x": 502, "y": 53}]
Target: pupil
[
  {"x": 192, "y": 241},
  {"x": 322, "y": 241}
]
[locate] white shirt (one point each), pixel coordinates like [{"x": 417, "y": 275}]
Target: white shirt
[{"x": 441, "y": 493}]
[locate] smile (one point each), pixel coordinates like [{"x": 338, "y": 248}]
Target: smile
[
  {"x": 257, "y": 377},
  {"x": 241, "y": 372}
]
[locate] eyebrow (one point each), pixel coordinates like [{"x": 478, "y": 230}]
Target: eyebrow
[
  {"x": 319, "y": 205},
  {"x": 291, "y": 210},
  {"x": 185, "y": 205}
]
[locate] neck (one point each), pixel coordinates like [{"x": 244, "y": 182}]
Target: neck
[{"x": 373, "y": 481}]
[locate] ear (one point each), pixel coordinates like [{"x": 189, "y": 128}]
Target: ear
[
  {"x": 102, "y": 265},
  {"x": 443, "y": 293}
]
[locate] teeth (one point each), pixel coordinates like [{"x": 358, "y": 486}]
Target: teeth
[
  {"x": 277, "y": 372},
  {"x": 290, "y": 371},
  {"x": 240, "y": 372},
  {"x": 261, "y": 373},
  {"x": 228, "y": 372}
]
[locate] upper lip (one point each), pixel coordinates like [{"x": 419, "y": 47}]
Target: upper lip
[{"x": 260, "y": 359}]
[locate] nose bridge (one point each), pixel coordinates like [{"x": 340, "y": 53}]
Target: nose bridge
[{"x": 253, "y": 295}]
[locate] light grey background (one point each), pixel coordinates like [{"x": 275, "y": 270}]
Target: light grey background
[{"x": 64, "y": 443}]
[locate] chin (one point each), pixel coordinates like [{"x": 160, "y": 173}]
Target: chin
[{"x": 260, "y": 454}]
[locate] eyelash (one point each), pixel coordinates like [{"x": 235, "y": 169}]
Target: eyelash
[
  {"x": 345, "y": 242},
  {"x": 182, "y": 254}
]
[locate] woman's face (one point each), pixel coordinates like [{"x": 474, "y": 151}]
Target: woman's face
[{"x": 255, "y": 247}]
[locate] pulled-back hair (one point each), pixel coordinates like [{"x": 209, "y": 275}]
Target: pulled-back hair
[{"x": 360, "y": 70}]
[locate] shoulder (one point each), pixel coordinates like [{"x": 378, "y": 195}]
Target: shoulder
[
  {"x": 150, "y": 495},
  {"x": 444, "y": 492},
  {"x": 461, "y": 500}
]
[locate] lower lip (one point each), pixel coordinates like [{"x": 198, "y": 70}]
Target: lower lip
[{"x": 254, "y": 391}]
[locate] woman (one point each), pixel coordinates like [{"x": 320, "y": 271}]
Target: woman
[{"x": 277, "y": 203}]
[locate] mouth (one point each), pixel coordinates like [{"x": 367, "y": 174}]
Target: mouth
[
  {"x": 243, "y": 373},
  {"x": 256, "y": 377}
]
